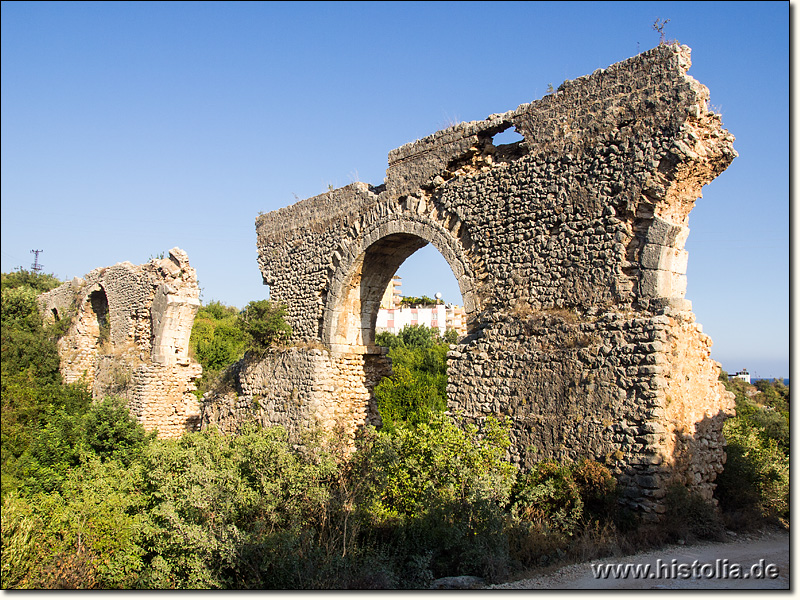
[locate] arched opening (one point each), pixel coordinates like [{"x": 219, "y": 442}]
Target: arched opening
[
  {"x": 374, "y": 271},
  {"x": 88, "y": 339},
  {"x": 424, "y": 291},
  {"x": 352, "y": 302},
  {"x": 353, "y": 305}
]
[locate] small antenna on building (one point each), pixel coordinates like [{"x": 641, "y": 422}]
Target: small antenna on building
[{"x": 36, "y": 267}]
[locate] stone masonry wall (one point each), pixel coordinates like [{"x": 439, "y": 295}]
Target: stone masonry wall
[
  {"x": 568, "y": 248},
  {"x": 292, "y": 387},
  {"x": 129, "y": 336}
]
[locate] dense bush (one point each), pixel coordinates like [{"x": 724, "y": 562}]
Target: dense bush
[
  {"x": 27, "y": 345},
  {"x": 38, "y": 282},
  {"x": 417, "y": 388},
  {"x": 255, "y": 511},
  {"x": 218, "y": 339},
  {"x": 552, "y": 504},
  {"x": 85, "y": 535},
  {"x": 690, "y": 517},
  {"x": 222, "y": 334},
  {"x": 755, "y": 480},
  {"x": 263, "y": 322}
]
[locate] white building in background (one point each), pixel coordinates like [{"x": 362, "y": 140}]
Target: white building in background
[
  {"x": 392, "y": 316},
  {"x": 743, "y": 375}
]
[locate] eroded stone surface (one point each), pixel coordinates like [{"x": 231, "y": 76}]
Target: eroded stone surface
[
  {"x": 568, "y": 248},
  {"x": 129, "y": 336}
]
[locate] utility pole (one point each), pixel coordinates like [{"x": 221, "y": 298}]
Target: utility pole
[{"x": 36, "y": 267}]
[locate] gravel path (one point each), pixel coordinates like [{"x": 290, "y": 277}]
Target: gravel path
[{"x": 706, "y": 566}]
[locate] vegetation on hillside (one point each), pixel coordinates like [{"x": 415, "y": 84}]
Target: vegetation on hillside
[
  {"x": 92, "y": 501},
  {"x": 755, "y": 482}
]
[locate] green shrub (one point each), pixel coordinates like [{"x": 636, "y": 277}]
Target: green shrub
[
  {"x": 26, "y": 344},
  {"x": 111, "y": 432},
  {"x": 66, "y": 435},
  {"x": 38, "y": 282},
  {"x": 548, "y": 495},
  {"x": 438, "y": 462},
  {"x": 756, "y": 474},
  {"x": 417, "y": 388},
  {"x": 217, "y": 339},
  {"x": 440, "y": 495},
  {"x": 755, "y": 480},
  {"x": 20, "y": 540},
  {"x": 598, "y": 490},
  {"x": 85, "y": 536},
  {"x": 411, "y": 397},
  {"x": 39, "y": 430},
  {"x": 218, "y": 506},
  {"x": 554, "y": 506},
  {"x": 264, "y": 324}
]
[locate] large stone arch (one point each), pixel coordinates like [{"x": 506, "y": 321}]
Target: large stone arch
[
  {"x": 569, "y": 247},
  {"x": 370, "y": 260}
]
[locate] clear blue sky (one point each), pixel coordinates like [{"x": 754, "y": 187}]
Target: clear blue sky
[{"x": 132, "y": 127}]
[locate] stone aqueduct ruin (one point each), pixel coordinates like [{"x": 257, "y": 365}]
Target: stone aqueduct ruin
[
  {"x": 568, "y": 248},
  {"x": 129, "y": 336}
]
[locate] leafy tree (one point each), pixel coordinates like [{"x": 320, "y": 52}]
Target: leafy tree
[
  {"x": 442, "y": 462},
  {"x": 109, "y": 431},
  {"x": 38, "y": 282},
  {"x": 82, "y": 537},
  {"x": 32, "y": 393},
  {"x": 442, "y": 488},
  {"x": 26, "y": 343},
  {"x": 217, "y": 341},
  {"x": 419, "y": 301},
  {"x": 450, "y": 337}
]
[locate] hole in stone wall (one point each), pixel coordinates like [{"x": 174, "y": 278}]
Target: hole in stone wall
[
  {"x": 99, "y": 304},
  {"x": 509, "y": 136},
  {"x": 423, "y": 281},
  {"x": 55, "y": 314}
]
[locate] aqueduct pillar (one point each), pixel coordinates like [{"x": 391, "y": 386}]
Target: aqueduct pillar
[{"x": 568, "y": 248}]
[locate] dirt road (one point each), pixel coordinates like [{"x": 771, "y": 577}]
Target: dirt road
[{"x": 748, "y": 562}]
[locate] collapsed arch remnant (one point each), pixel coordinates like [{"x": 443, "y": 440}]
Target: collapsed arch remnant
[{"x": 129, "y": 336}]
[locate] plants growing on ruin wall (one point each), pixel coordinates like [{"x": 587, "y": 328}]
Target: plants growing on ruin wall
[{"x": 263, "y": 323}]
